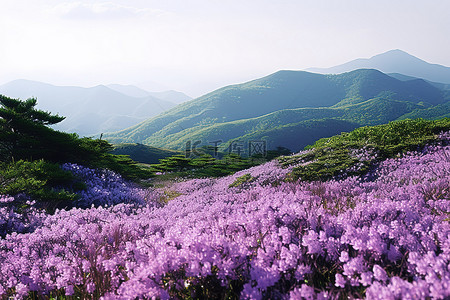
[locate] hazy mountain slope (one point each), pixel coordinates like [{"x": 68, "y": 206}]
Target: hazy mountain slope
[
  {"x": 394, "y": 61},
  {"x": 402, "y": 77},
  {"x": 129, "y": 90},
  {"x": 237, "y": 110},
  {"x": 88, "y": 110},
  {"x": 134, "y": 91},
  {"x": 171, "y": 96}
]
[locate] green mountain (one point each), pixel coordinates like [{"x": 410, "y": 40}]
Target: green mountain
[
  {"x": 143, "y": 153},
  {"x": 283, "y": 107}
]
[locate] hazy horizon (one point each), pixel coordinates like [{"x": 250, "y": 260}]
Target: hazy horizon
[{"x": 198, "y": 46}]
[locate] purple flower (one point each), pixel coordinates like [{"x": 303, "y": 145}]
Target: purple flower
[
  {"x": 344, "y": 256},
  {"x": 340, "y": 281},
  {"x": 379, "y": 273},
  {"x": 304, "y": 292},
  {"x": 366, "y": 278}
]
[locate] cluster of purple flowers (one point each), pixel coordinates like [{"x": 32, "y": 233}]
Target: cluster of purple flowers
[
  {"x": 387, "y": 238},
  {"x": 15, "y": 219},
  {"x": 104, "y": 187}
]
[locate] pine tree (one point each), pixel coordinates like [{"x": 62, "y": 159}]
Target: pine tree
[{"x": 24, "y": 129}]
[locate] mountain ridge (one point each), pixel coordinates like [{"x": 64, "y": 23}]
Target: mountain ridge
[
  {"x": 393, "y": 61},
  {"x": 365, "y": 96}
]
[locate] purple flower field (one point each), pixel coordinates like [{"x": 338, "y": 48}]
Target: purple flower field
[{"x": 383, "y": 238}]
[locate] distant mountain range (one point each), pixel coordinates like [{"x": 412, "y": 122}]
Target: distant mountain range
[
  {"x": 394, "y": 61},
  {"x": 91, "y": 111},
  {"x": 291, "y": 109}
]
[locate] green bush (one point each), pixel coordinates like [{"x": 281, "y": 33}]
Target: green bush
[
  {"x": 333, "y": 158},
  {"x": 43, "y": 181},
  {"x": 242, "y": 180}
]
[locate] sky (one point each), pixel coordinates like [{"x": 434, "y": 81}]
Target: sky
[{"x": 196, "y": 46}]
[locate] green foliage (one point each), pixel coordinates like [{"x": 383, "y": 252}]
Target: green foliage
[
  {"x": 23, "y": 129},
  {"x": 203, "y": 161},
  {"x": 379, "y": 110},
  {"x": 96, "y": 154},
  {"x": 169, "y": 195},
  {"x": 271, "y": 154},
  {"x": 242, "y": 180},
  {"x": 392, "y": 138},
  {"x": 333, "y": 158},
  {"x": 205, "y": 165},
  {"x": 431, "y": 113},
  {"x": 325, "y": 164},
  {"x": 39, "y": 179}
]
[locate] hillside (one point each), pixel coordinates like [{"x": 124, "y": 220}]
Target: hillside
[
  {"x": 277, "y": 103},
  {"x": 432, "y": 113},
  {"x": 142, "y": 153},
  {"x": 88, "y": 111}
]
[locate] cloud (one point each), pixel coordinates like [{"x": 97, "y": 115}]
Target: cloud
[{"x": 101, "y": 10}]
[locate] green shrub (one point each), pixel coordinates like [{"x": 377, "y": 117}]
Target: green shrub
[
  {"x": 41, "y": 180},
  {"x": 242, "y": 180},
  {"x": 333, "y": 158}
]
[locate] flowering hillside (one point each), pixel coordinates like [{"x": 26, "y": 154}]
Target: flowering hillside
[{"x": 252, "y": 235}]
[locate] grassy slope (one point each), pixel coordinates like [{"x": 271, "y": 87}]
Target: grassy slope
[
  {"x": 282, "y": 123},
  {"x": 298, "y": 135},
  {"x": 432, "y": 113}
]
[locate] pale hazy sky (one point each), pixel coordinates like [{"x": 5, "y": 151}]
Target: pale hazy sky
[{"x": 196, "y": 46}]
